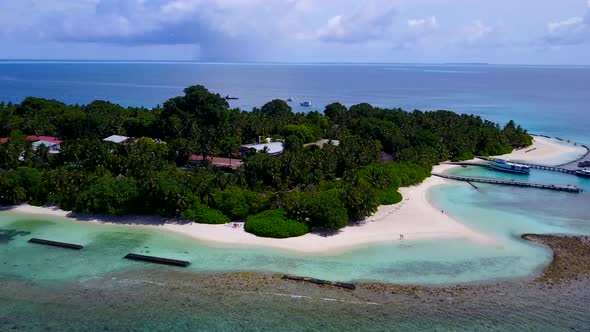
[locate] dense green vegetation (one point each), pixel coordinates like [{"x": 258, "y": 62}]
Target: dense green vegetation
[
  {"x": 322, "y": 187},
  {"x": 203, "y": 214},
  {"x": 275, "y": 224}
]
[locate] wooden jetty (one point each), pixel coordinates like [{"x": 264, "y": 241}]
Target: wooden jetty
[
  {"x": 535, "y": 166},
  {"x": 157, "y": 260},
  {"x": 321, "y": 282},
  {"x": 556, "y": 187},
  {"x": 56, "y": 244}
]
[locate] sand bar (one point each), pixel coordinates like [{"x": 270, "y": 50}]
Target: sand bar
[{"x": 547, "y": 152}]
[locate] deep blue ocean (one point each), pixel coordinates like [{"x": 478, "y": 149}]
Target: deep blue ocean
[{"x": 553, "y": 100}]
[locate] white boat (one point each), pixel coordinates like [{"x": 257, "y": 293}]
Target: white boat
[
  {"x": 306, "y": 103},
  {"x": 506, "y": 166},
  {"x": 585, "y": 172}
]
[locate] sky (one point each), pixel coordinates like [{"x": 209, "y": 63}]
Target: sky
[{"x": 411, "y": 31}]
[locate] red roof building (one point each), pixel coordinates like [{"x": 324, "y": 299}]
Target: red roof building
[
  {"x": 33, "y": 138},
  {"x": 216, "y": 161},
  {"x": 4, "y": 140}
]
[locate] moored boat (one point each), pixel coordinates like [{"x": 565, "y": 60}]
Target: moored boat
[
  {"x": 228, "y": 97},
  {"x": 306, "y": 103},
  {"x": 506, "y": 166},
  {"x": 585, "y": 173}
]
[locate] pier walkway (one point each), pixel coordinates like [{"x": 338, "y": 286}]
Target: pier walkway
[
  {"x": 535, "y": 166},
  {"x": 566, "y": 188},
  {"x": 466, "y": 163}
]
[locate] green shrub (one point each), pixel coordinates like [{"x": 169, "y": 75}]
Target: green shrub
[
  {"x": 407, "y": 174},
  {"x": 497, "y": 149},
  {"x": 238, "y": 203},
  {"x": 306, "y": 133},
  {"x": 201, "y": 214},
  {"x": 387, "y": 175},
  {"x": 359, "y": 198},
  {"x": 297, "y": 205},
  {"x": 388, "y": 196},
  {"x": 325, "y": 209},
  {"x": 275, "y": 224},
  {"x": 328, "y": 211},
  {"x": 116, "y": 196},
  {"x": 465, "y": 155}
]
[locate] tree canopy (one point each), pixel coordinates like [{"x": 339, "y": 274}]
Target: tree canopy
[{"x": 318, "y": 187}]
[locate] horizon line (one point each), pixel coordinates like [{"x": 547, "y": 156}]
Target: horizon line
[{"x": 287, "y": 62}]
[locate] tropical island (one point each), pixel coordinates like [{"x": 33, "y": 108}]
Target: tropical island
[{"x": 283, "y": 173}]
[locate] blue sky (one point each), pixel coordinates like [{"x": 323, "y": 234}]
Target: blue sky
[{"x": 495, "y": 31}]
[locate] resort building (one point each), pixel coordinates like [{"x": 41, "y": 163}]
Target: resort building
[
  {"x": 53, "y": 144},
  {"x": 232, "y": 163},
  {"x": 118, "y": 139},
  {"x": 272, "y": 148}
]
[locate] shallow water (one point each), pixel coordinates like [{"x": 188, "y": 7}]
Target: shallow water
[{"x": 423, "y": 262}]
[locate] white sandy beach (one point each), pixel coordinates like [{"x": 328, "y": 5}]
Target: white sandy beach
[
  {"x": 547, "y": 151},
  {"x": 415, "y": 217}
]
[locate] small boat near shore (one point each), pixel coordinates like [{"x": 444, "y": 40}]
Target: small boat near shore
[
  {"x": 306, "y": 103},
  {"x": 229, "y": 97},
  {"x": 584, "y": 173},
  {"x": 290, "y": 99},
  {"x": 506, "y": 166}
]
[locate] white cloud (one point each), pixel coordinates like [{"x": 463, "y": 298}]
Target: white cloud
[
  {"x": 476, "y": 31},
  {"x": 574, "y": 24},
  {"x": 120, "y": 20},
  {"x": 221, "y": 28},
  {"x": 430, "y": 23},
  {"x": 571, "y": 31},
  {"x": 259, "y": 30},
  {"x": 372, "y": 20}
]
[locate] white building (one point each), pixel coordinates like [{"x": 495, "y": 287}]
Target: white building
[
  {"x": 117, "y": 139},
  {"x": 273, "y": 148}
]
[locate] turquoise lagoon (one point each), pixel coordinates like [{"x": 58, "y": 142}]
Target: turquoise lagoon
[
  {"x": 504, "y": 213},
  {"x": 422, "y": 262}
]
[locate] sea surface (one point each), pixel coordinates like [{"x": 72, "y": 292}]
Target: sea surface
[
  {"x": 546, "y": 100},
  {"x": 553, "y": 100}
]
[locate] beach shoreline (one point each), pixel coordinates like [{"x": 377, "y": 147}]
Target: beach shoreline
[{"x": 415, "y": 218}]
